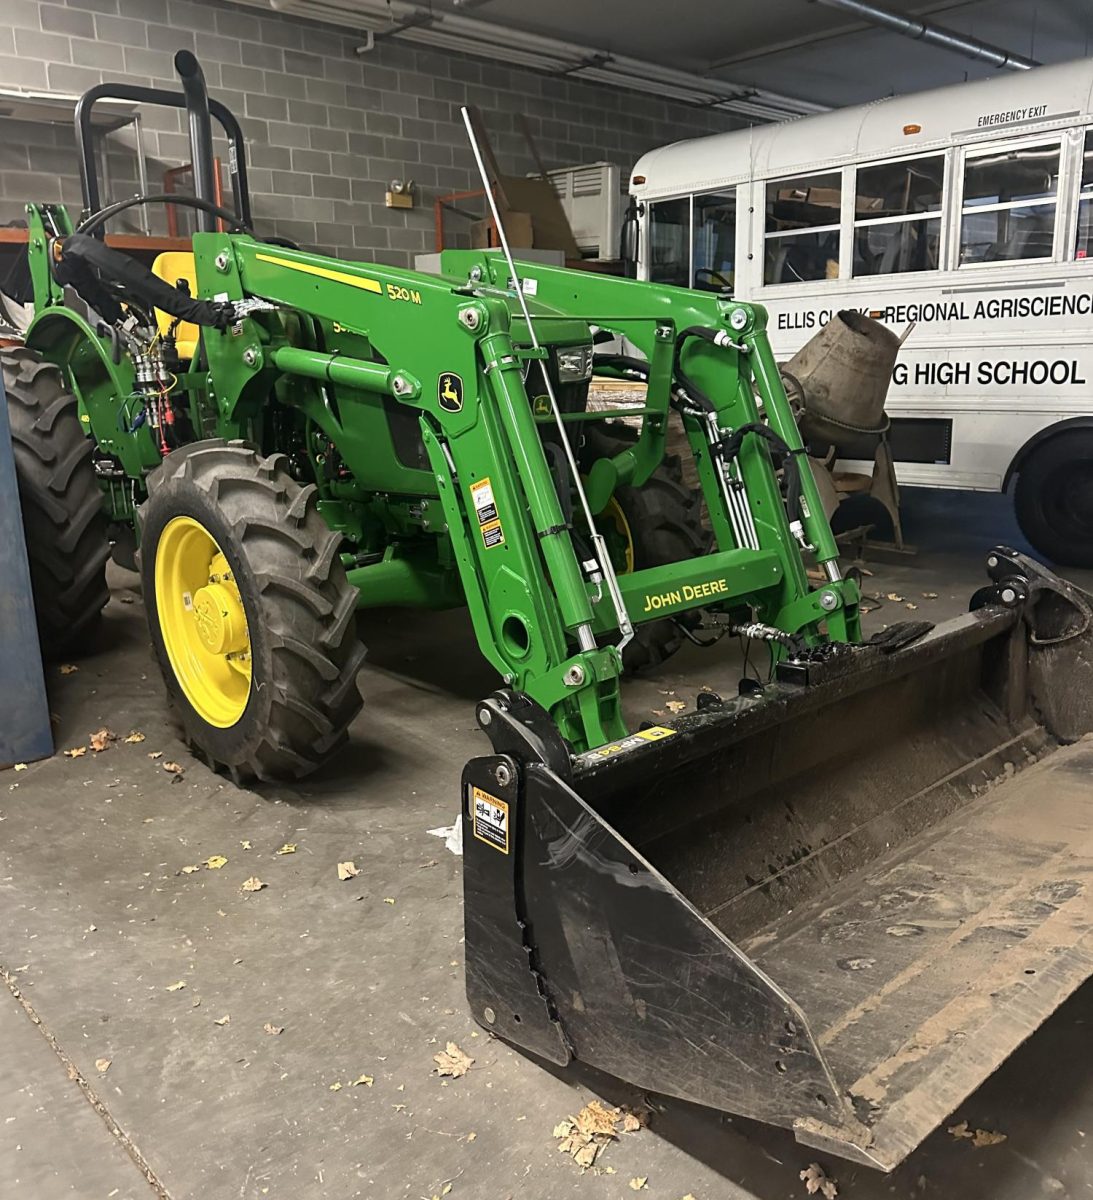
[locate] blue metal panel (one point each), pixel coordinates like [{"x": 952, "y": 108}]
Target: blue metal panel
[{"x": 24, "y": 711}]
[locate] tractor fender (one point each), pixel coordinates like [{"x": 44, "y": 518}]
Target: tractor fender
[
  {"x": 1038, "y": 439},
  {"x": 66, "y": 338},
  {"x": 58, "y": 333}
]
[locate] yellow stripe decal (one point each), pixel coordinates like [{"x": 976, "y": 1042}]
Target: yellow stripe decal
[{"x": 367, "y": 285}]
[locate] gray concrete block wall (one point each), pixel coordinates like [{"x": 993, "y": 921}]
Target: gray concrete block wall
[{"x": 327, "y": 129}]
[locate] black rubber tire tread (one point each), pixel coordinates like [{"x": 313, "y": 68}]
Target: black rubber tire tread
[
  {"x": 300, "y": 608},
  {"x": 665, "y": 520},
  {"x": 1066, "y": 543},
  {"x": 61, "y": 502}
]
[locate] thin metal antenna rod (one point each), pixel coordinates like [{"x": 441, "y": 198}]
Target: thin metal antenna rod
[{"x": 599, "y": 546}]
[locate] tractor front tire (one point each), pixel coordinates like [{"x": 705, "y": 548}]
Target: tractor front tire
[
  {"x": 252, "y": 618},
  {"x": 61, "y": 503},
  {"x": 657, "y": 523}
]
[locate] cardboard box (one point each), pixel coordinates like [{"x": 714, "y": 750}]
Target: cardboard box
[{"x": 518, "y": 229}]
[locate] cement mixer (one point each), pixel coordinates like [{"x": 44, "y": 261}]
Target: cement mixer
[{"x": 838, "y": 383}]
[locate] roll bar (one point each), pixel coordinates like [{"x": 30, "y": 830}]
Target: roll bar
[{"x": 194, "y": 98}]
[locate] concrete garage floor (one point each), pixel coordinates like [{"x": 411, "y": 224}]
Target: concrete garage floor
[{"x": 97, "y": 923}]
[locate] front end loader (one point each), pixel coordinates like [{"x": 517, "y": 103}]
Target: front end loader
[{"x": 835, "y": 902}]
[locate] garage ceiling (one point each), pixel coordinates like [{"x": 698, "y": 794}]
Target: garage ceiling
[{"x": 763, "y": 59}]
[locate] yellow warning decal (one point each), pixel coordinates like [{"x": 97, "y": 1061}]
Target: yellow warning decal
[
  {"x": 489, "y": 523},
  {"x": 357, "y": 281},
  {"x": 654, "y": 733},
  {"x": 490, "y": 819}
]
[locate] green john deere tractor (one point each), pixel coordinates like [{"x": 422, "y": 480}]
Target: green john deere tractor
[{"x": 835, "y": 902}]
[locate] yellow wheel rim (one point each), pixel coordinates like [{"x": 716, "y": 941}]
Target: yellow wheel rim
[
  {"x": 613, "y": 514},
  {"x": 203, "y": 623}
]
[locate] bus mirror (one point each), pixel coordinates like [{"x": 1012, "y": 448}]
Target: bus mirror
[{"x": 628, "y": 248}]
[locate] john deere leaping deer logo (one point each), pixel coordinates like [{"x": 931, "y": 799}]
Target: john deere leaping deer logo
[{"x": 449, "y": 392}]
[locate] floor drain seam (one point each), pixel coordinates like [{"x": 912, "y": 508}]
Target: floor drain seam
[{"x": 89, "y": 1093}]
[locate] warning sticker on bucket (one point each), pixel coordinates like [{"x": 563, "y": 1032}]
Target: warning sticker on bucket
[
  {"x": 643, "y": 737},
  {"x": 491, "y": 820},
  {"x": 485, "y": 506}
]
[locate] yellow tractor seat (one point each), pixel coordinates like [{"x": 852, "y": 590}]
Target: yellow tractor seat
[{"x": 171, "y": 266}]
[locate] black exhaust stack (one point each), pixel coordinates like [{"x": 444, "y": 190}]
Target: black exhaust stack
[{"x": 201, "y": 133}]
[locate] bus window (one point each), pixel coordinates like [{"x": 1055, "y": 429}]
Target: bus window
[
  {"x": 897, "y": 216},
  {"x": 1009, "y": 203},
  {"x": 715, "y": 241},
  {"x": 802, "y": 239},
  {"x": 669, "y": 242},
  {"x": 1085, "y": 202}
]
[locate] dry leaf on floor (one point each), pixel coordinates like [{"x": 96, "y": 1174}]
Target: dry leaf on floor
[
  {"x": 911, "y": 606},
  {"x": 155, "y": 753},
  {"x": 675, "y": 705},
  {"x": 363, "y": 1080},
  {"x": 215, "y": 861},
  {"x": 631, "y": 1122},
  {"x": 584, "y": 1136},
  {"x": 977, "y": 1137},
  {"x": 288, "y": 848},
  {"x": 471, "y": 1136},
  {"x": 640, "y": 1183},
  {"x": 896, "y": 597},
  {"x": 452, "y": 1061},
  {"x": 177, "y": 987},
  {"x": 223, "y": 1020},
  {"x": 133, "y": 738},
  {"x": 335, "y": 1087},
  {"x": 272, "y": 1029},
  {"x": 20, "y": 766},
  {"x": 816, "y": 1180},
  {"x": 101, "y": 738},
  {"x": 254, "y": 884},
  {"x": 191, "y": 869},
  {"x": 347, "y": 870},
  {"x": 245, "y": 844},
  {"x": 102, "y": 1065},
  {"x": 76, "y": 752},
  {"x": 388, "y": 899},
  {"x": 929, "y": 595},
  {"x": 597, "y": 1118},
  {"x": 173, "y": 767},
  {"x": 68, "y": 668}
]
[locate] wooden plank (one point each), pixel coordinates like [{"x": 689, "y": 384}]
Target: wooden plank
[{"x": 122, "y": 241}]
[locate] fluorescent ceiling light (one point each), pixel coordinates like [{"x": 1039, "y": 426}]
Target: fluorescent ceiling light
[{"x": 482, "y": 39}]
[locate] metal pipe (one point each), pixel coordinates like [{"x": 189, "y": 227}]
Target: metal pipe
[
  {"x": 201, "y": 133},
  {"x": 934, "y": 35}
]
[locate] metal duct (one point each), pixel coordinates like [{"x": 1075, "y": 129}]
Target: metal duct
[{"x": 934, "y": 35}]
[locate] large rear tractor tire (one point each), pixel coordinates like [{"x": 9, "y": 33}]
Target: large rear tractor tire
[
  {"x": 649, "y": 526},
  {"x": 61, "y": 503},
  {"x": 1053, "y": 498},
  {"x": 250, "y": 612}
]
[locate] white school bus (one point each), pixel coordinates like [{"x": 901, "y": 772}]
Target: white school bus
[{"x": 963, "y": 214}]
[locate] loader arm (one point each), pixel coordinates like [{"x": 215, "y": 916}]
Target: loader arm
[{"x": 452, "y": 350}]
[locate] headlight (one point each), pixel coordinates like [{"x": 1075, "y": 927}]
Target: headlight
[{"x": 574, "y": 363}]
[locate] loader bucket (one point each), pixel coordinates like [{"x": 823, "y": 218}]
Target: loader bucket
[{"x": 836, "y": 906}]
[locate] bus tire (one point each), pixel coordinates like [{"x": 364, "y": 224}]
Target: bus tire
[{"x": 1053, "y": 498}]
